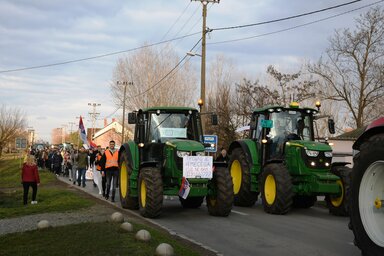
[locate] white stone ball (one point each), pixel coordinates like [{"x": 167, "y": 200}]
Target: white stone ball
[
  {"x": 143, "y": 235},
  {"x": 164, "y": 249},
  {"x": 126, "y": 226},
  {"x": 117, "y": 217},
  {"x": 43, "y": 224}
]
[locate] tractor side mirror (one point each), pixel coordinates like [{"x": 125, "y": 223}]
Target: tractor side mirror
[
  {"x": 132, "y": 118},
  {"x": 331, "y": 126},
  {"x": 214, "y": 120}
]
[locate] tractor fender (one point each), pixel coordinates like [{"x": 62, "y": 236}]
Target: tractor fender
[
  {"x": 374, "y": 128},
  {"x": 249, "y": 148},
  {"x": 131, "y": 151}
]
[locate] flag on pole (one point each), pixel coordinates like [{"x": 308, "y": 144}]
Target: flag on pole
[{"x": 82, "y": 133}]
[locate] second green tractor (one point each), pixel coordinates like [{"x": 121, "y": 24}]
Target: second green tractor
[{"x": 282, "y": 162}]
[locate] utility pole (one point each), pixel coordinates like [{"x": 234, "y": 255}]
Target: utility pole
[
  {"x": 205, "y": 30},
  {"x": 93, "y": 115},
  {"x": 124, "y": 83},
  {"x": 71, "y": 124}
]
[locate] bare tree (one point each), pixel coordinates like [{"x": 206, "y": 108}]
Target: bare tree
[
  {"x": 12, "y": 122},
  {"x": 353, "y": 68},
  {"x": 154, "y": 82}
]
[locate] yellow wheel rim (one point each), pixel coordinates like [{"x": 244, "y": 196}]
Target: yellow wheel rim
[
  {"x": 337, "y": 201},
  {"x": 236, "y": 176},
  {"x": 123, "y": 180},
  {"x": 143, "y": 193},
  {"x": 270, "y": 189}
]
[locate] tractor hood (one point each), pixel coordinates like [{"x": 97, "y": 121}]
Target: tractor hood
[
  {"x": 310, "y": 145},
  {"x": 186, "y": 145}
]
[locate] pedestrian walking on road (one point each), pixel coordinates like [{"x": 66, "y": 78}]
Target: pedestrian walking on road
[
  {"x": 57, "y": 160},
  {"x": 82, "y": 166},
  {"x": 99, "y": 175},
  {"x": 109, "y": 161},
  {"x": 30, "y": 178}
]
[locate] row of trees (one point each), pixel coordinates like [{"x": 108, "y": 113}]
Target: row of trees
[{"x": 348, "y": 78}]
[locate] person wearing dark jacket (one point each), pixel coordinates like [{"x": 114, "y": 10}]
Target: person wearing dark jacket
[
  {"x": 223, "y": 157},
  {"x": 30, "y": 178},
  {"x": 82, "y": 166},
  {"x": 57, "y": 159},
  {"x": 109, "y": 163}
]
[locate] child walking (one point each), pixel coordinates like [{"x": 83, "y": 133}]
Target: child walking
[{"x": 30, "y": 178}]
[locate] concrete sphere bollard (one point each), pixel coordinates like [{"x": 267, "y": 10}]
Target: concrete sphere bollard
[
  {"x": 117, "y": 217},
  {"x": 143, "y": 235},
  {"x": 43, "y": 224},
  {"x": 164, "y": 249},
  {"x": 126, "y": 226}
]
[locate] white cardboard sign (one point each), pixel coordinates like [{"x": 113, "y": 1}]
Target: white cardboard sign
[{"x": 197, "y": 167}]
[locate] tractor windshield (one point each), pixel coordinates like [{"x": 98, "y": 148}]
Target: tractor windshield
[
  {"x": 289, "y": 125},
  {"x": 166, "y": 126}
]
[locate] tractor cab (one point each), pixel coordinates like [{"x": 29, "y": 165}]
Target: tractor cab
[
  {"x": 161, "y": 126},
  {"x": 272, "y": 127}
]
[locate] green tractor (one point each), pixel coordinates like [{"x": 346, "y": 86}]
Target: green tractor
[
  {"x": 282, "y": 161},
  {"x": 167, "y": 157}
]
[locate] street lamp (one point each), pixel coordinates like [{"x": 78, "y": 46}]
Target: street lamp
[{"x": 200, "y": 103}]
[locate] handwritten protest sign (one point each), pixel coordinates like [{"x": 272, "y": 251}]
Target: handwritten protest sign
[{"x": 197, "y": 167}]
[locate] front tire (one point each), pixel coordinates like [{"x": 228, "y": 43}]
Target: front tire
[
  {"x": 220, "y": 194},
  {"x": 338, "y": 205},
  {"x": 276, "y": 189},
  {"x": 150, "y": 192},
  {"x": 241, "y": 177},
  {"x": 125, "y": 171},
  {"x": 366, "y": 218}
]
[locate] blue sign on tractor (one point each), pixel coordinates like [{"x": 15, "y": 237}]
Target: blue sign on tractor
[{"x": 211, "y": 139}]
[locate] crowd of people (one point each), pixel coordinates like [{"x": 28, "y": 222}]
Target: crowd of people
[{"x": 101, "y": 165}]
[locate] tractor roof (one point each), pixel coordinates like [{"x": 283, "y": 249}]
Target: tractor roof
[
  {"x": 275, "y": 107},
  {"x": 169, "y": 108}
]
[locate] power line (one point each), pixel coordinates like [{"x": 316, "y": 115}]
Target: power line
[
  {"x": 180, "y": 64},
  {"x": 164, "y": 77},
  {"x": 294, "y": 27},
  {"x": 287, "y": 18},
  {"x": 178, "y": 18},
  {"x": 97, "y": 56}
]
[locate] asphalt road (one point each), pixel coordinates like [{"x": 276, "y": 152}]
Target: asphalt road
[{"x": 250, "y": 231}]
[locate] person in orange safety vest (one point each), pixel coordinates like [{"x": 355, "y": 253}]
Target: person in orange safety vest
[{"x": 110, "y": 163}]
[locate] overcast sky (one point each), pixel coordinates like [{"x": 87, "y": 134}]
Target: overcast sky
[{"x": 41, "y": 32}]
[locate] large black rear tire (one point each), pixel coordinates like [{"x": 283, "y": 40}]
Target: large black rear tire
[
  {"x": 127, "y": 201},
  {"x": 371, "y": 153},
  {"x": 276, "y": 189},
  {"x": 241, "y": 176},
  {"x": 220, "y": 194},
  {"x": 191, "y": 202},
  {"x": 338, "y": 205},
  {"x": 150, "y": 192}
]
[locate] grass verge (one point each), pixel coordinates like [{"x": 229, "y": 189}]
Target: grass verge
[
  {"x": 87, "y": 239},
  {"x": 51, "y": 195}
]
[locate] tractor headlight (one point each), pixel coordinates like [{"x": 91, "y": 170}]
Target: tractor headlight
[
  {"x": 328, "y": 154},
  {"x": 312, "y": 153},
  {"x": 183, "y": 153},
  {"x": 201, "y": 153}
]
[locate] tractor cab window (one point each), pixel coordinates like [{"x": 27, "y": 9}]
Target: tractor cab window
[
  {"x": 288, "y": 125},
  {"x": 166, "y": 126}
]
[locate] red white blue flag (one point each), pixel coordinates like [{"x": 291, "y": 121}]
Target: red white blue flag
[
  {"x": 184, "y": 189},
  {"x": 82, "y": 133}
]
